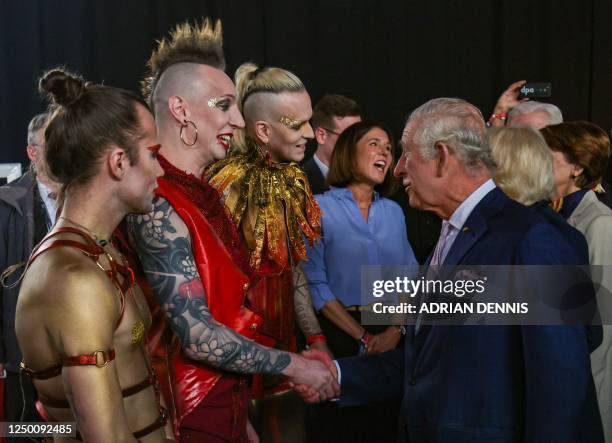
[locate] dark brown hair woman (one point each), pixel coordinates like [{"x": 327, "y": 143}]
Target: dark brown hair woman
[
  {"x": 359, "y": 227},
  {"x": 581, "y": 151}
]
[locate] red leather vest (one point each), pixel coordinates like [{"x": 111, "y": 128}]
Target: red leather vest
[{"x": 225, "y": 284}]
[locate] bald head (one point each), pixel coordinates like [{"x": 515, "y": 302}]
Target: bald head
[{"x": 190, "y": 81}]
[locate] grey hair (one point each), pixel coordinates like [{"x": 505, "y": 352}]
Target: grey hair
[
  {"x": 458, "y": 124},
  {"x": 35, "y": 125},
  {"x": 554, "y": 113}
]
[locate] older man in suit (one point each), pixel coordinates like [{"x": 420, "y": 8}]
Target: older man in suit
[
  {"x": 478, "y": 383},
  {"x": 27, "y": 212}
]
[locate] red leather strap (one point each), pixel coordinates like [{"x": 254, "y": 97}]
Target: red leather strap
[
  {"x": 159, "y": 423},
  {"x": 93, "y": 250},
  {"x": 62, "y": 403},
  {"x": 53, "y": 371},
  {"x": 97, "y": 358},
  {"x": 134, "y": 389}
]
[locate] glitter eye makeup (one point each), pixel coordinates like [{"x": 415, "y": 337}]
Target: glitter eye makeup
[
  {"x": 222, "y": 103},
  {"x": 292, "y": 123}
]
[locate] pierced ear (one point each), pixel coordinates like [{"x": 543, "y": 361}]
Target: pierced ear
[
  {"x": 320, "y": 135},
  {"x": 262, "y": 131},
  {"x": 442, "y": 159},
  {"x": 178, "y": 108},
  {"x": 118, "y": 163}
]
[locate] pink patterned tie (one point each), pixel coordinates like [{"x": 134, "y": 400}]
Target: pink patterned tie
[
  {"x": 438, "y": 255},
  {"x": 436, "y": 260}
]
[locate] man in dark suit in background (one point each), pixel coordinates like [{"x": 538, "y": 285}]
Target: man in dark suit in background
[
  {"x": 471, "y": 384},
  {"x": 331, "y": 115},
  {"x": 27, "y": 212}
]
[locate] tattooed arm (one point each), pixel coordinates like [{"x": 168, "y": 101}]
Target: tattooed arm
[
  {"x": 306, "y": 318},
  {"x": 164, "y": 246},
  {"x": 304, "y": 311}
]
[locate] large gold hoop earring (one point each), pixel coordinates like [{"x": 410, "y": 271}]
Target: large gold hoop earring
[{"x": 183, "y": 126}]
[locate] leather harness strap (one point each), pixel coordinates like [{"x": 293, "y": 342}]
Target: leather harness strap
[
  {"x": 93, "y": 250},
  {"x": 61, "y": 403},
  {"x": 99, "y": 358},
  {"x": 160, "y": 422}
]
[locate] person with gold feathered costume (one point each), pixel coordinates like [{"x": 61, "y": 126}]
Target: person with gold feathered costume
[
  {"x": 205, "y": 339},
  {"x": 270, "y": 201}
]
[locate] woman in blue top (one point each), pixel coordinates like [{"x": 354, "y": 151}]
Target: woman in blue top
[{"x": 359, "y": 227}]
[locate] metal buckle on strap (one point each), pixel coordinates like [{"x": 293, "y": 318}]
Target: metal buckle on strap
[
  {"x": 100, "y": 357},
  {"x": 25, "y": 369}
]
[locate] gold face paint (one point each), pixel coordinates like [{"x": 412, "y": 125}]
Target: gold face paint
[{"x": 292, "y": 123}]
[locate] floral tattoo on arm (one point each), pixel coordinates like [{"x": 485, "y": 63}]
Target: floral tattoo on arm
[{"x": 164, "y": 248}]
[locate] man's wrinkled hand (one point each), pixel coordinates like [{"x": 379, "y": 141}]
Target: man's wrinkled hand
[
  {"x": 323, "y": 357},
  {"x": 314, "y": 376}
]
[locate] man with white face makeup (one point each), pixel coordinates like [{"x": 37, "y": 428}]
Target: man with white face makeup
[
  {"x": 271, "y": 201},
  {"x": 192, "y": 254}
]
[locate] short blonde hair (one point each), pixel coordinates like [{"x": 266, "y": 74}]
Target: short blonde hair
[
  {"x": 524, "y": 163},
  {"x": 251, "y": 81}
]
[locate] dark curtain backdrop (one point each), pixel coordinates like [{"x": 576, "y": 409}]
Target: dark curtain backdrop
[{"x": 391, "y": 56}]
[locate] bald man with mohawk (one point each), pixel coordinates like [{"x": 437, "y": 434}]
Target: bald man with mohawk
[{"x": 204, "y": 332}]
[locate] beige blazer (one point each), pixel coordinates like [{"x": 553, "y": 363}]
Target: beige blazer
[{"x": 594, "y": 220}]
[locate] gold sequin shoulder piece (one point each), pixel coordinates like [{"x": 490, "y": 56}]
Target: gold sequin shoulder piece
[{"x": 272, "y": 205}]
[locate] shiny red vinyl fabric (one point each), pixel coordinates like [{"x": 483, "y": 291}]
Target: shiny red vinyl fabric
[{"x": 225, "y": 276}]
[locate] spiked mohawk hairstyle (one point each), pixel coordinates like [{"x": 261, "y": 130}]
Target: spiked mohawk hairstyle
[{"x": 202, "y": 44}]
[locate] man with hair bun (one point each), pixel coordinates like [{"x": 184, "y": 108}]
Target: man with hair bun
[
  {"x": 193, "y": 256},
  {"x": 81, "y": 320}
]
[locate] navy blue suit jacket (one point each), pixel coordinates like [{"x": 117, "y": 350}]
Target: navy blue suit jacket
[
  {"x": 315, "y": 176},
  {"x": 489, "y": 383}
]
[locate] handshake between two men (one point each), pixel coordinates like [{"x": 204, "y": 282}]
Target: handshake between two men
[{"x": 314, "y": 377}]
